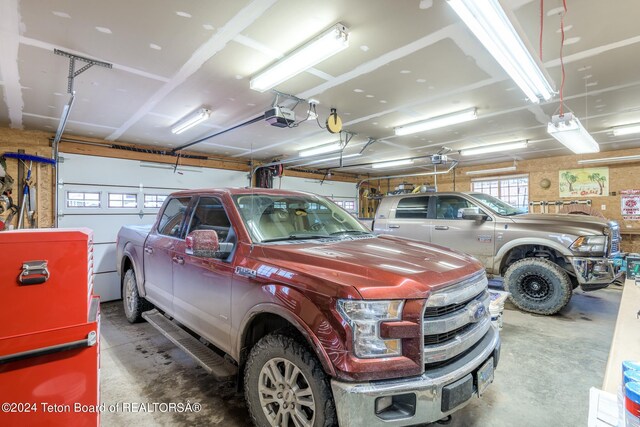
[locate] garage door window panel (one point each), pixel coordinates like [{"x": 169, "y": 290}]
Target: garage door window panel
[
  {"x": 154, "y": 200},
  {"x": 123, "y": 200},
  {"x": 83, "y": 199},
  {"x": 173, "y": 216}
]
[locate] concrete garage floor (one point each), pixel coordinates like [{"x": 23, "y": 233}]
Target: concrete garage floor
[{"x": 547, "y": 366}]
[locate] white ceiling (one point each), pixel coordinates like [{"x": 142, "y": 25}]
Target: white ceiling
[{"x": 407, "y": 60}]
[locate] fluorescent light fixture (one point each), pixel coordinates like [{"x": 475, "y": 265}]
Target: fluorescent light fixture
[
  {"x": 437, "y": 122},
  {"x": 322, "y": 149},
  {"x": 569, "y": 131},
  {"x": 317, "y": 50},
  {"x": 490, "y": 24},
  {"x": 495, "y": 170},
  {"x": 610, "y": 160},
  {"x": 494, "y": 148},
  {"x": 626, "y": 130},
  {"x": 191, "y": 120},
  {"x": 392, "y": 163}
]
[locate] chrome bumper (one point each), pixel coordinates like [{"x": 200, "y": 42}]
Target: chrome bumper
[
  {"x": 355, "y": 402},
  {"x": 595, "y": 271}
]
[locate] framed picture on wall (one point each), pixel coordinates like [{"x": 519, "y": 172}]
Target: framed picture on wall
[{"x": 588, "y": 182}]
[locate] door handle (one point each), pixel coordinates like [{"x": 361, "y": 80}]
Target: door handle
[
  {"x": 178, "y": 260},
  {"x": 394, "y": 226},
  {"x": 441, "y": 227},
  {"x": 148, "y": 250}
]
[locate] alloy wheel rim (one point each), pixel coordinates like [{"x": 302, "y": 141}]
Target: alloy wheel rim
[
  {"x": 285, "y": 394},
  {"x": 536, "y": 288},
  {"x": 130, "y": 296}
]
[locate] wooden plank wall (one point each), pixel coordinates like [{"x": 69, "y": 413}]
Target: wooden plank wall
[{"x": 622, "y": 176}]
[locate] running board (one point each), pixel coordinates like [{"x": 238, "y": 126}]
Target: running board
[{"x": 212, "y": 362}]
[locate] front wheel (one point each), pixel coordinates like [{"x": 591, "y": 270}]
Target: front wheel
[
  {"x": 538, "y": 285},
  {"x": 284, "y": 385}
]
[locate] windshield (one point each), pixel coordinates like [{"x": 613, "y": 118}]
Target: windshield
[
  {"x": 295, "y": 217},
  {"x": 497, "y": 205}
]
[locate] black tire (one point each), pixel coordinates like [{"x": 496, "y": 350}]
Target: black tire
[
  {"x": 538, "y": 286},
  {"x": 279, "y": 352},
  {"x": 134, "y": 305}
]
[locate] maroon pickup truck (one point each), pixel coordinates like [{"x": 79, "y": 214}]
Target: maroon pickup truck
[{"x": 321, "y": 321}]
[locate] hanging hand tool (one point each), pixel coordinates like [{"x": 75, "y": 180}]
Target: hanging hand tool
[{"x": 27, "y": 182}]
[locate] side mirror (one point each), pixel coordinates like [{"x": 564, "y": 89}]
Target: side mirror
[
  {"x": 474, "y": 214},
  {"x": 205, "y": 244}
]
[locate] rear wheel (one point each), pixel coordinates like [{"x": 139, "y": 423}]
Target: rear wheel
[
  {"x": 538, "y": 285},
  {"x": 285, "y": 385},
  {"x": 134, "y": 304}
]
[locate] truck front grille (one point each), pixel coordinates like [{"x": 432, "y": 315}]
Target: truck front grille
[
  {"x": 614, "y": 239},
  {"x": 455, "y": 319},
  {"x": 446, "y": 336}
]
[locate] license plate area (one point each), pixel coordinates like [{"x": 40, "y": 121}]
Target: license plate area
[{"x": 484, "y": 376}]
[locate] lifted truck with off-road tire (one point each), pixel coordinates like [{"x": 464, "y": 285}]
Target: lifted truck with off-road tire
[
  {"x": 319, "y": 320},
  {"x": 542, "y": 257}
]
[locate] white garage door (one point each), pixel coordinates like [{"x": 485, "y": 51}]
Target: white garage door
[
  {"x": 104, "y": 194},
  {"x": 343, "y": 193}
]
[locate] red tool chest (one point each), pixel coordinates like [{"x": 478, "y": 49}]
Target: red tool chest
[{"x": 49, "y": 329}]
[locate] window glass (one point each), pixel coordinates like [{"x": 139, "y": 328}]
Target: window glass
[
  {"x": 79, "y": 199},
  {"x": 513, "y": 190},
  {"x": 451, "y": 207},
  {"x": 270, "y": 218},
  {"x": 171, "y": 218},
  {"x": 413, "y": 207},
  {"x": 154, "y": 200},
  {"x": 210, "y": 215},
  {"x": 121, "y": 200}
]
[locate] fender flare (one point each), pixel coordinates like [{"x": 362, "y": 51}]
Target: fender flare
[
  {"x": 127, "y": 253},
  {"x": 528, "y": 241},
  {"x": 293, "y": 319}
]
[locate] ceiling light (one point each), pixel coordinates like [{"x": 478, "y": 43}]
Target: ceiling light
[
  {"x": 392, "y": 163},
  {"x": 490, "y": 24},
  {"x": 610, "y": 160},
  {"x": 494, "y": 148},
  {"x": 322, "y": 149},
  {"x": 495, "y": 170},
  {"x": 437, "y": 122},
  {"x": 317, "y": 50},
  {"x": 569, "y": 131},
  {"x": 191, "y": 120},
  {"x": 626, "y": 130}
]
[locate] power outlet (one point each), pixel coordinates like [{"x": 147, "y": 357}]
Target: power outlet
[{"x": 603, "y": 207}]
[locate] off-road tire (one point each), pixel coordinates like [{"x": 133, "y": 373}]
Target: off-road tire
[
  {"x": 277, "y": 346},
  {"x": 538, "y": 286},
  {"x": 134, "y": 304}
]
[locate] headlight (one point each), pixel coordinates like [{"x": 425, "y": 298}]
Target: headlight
[
  {"x": 365, "y": 317},
  {"x": 590, "y": 244}
]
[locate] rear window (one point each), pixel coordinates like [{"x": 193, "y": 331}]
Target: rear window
[
  {"x": 413, "y": 207},
  {"x": 172, "y": 217}
]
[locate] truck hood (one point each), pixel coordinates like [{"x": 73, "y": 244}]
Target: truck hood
[
  {"x": 578, "y": 225},
  {"x": 381, "y": 267}
]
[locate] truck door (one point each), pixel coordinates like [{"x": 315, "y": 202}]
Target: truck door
[
  {"x": 409, "y": 218},
  {"x": 202, "y": 286},
  {"x": 449, "y": 229},
  {"x": 158, "y": 250}
]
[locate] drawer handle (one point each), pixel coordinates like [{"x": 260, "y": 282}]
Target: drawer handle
[
  {"x": 441, "y": 227},
  {"x": 34, "y": 273}
]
